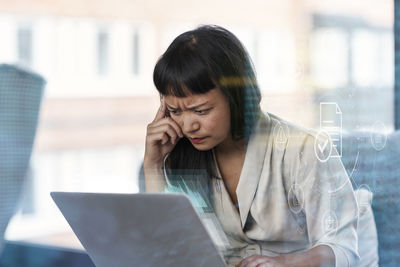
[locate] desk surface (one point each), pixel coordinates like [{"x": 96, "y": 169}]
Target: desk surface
[
  {"x": 57, "y": 250},
  {"x": 66, "y": 240}
]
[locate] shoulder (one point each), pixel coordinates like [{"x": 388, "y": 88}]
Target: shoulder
[
  {"x": 291, "y": 147},
  {"x": 288, "y": 136},
  {"x": 285, "y": 144}
]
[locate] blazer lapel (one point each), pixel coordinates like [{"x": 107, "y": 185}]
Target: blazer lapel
[{"x": 252, "y": 167}]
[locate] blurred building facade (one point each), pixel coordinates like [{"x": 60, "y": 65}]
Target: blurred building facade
[{"x": 98, "y": 58}]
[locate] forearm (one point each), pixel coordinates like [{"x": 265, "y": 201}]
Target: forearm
[
  {"x": 319, "y": 256},
  {"x": 154, "y": 179}
]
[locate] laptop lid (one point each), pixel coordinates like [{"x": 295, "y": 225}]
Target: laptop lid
[{"x": 138, "y": 229}]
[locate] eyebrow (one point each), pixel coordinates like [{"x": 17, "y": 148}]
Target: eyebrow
[{"x": 190, "y": 108}]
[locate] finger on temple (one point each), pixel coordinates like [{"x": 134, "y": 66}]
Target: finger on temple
[{"x": 161, "y": 111}]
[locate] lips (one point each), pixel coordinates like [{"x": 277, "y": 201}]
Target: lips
[{"x": 197, "y": 140}]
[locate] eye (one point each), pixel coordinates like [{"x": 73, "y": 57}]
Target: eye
[
  {"x": 174, "y": 112},
  {"x": 203, "y": 111}
]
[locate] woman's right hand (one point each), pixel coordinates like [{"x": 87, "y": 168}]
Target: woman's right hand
[{"x": 161, "y": 137}]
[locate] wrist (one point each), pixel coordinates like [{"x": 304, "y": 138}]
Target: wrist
[
  {"x": 154, "y": 178},
  {"x": 152, "y": 165}
]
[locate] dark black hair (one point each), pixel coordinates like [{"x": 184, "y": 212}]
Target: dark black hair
[{"x": 198, "y": 61}]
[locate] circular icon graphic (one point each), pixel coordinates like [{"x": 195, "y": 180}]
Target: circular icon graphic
[
  {"x": 330, "y": 223},
  {"x": 378, "y": 138},
  {"x": 364, "y": 197},
  {"x": 296, "y": 198},
  {"x": 323, "y": 146},
  {"x": 281, "y": 135}
]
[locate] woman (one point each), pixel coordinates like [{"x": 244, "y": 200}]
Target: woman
[{"x": 272, "y": 194}]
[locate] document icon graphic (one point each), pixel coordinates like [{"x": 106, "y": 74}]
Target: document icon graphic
[{"x": 331, "y": 122}]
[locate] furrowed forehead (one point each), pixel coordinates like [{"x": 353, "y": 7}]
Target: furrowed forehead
[
  {"x": 192, "y": 101},
  {"x": 178, "y": 90}
]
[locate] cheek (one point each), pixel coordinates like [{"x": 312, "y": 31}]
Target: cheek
[
  {"x": 211, "y": 123},
  {"x": 219, "y": 125}
]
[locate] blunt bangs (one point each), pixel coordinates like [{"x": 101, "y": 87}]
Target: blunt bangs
[{"x": 181, "y": 71}]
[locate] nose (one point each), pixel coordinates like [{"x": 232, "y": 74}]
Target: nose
[{"x": 189, "y": 124}]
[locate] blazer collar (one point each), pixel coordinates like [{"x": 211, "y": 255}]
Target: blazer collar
[{"x": 252, "y": 167}]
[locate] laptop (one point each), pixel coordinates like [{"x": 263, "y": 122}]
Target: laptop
[{"x": 138, "y": 229}]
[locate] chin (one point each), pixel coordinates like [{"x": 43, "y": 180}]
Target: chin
[{"x": 202, "y": 147}]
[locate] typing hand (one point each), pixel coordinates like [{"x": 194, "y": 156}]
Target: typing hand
[{"x": 261, "y": 261}]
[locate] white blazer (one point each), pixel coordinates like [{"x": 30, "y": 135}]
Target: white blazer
[{"x": 288, "y": 199}]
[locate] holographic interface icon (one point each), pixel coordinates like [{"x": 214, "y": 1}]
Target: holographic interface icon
[
  {"x": 378, "y": 136},
  {"x": 330, "y": 223},
  {"x": 296, "y": 198},
  {"x": 281, "y": 135},
  {"x": 331, "y": 121},
  {"x": 323, "y": 146}
]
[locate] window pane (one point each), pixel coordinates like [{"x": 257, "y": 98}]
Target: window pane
[
  {"x": 25, "y": 46},
  {"x": 329, "y": 63},
  {"x": 136, "y": 54},
  {"x": 102, "y": 56},
  {"x": 317, "y": 62}
]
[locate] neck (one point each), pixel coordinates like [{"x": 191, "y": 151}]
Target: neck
[{"x": 229, "y": 147}]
